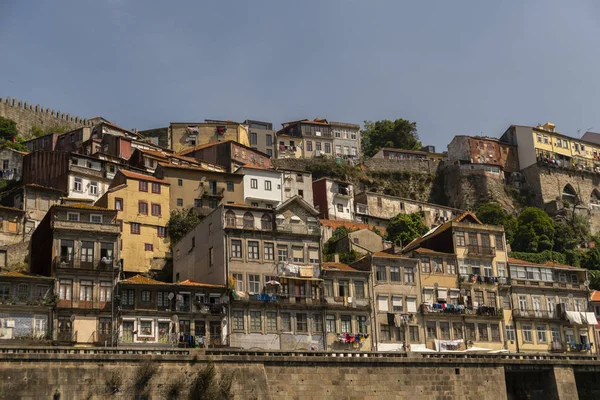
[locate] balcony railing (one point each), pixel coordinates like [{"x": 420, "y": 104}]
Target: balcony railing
[
  {"x": 346, "y": 301},
  {"x": 64, "y": 262},
  {"x": 69, "y": 262},
  {"x": 484, "y": 311},
  {"x": 536, "y": 314},
  {"x": 558, "y": 346},
  {"x": 477, "y": 250},
  {"x": 547, "y": 284},
  {"x": 67, "y": 336},
  {"x": 49, "y": 300}
]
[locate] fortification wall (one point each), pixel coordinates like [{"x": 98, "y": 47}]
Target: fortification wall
[{"x": 27, "y": 115}]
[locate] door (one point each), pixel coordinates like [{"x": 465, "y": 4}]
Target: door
[
  {"x": 537, "y": 306},
  {"x": 215, "y": 332},
  {"x": 127, "y": 334}
]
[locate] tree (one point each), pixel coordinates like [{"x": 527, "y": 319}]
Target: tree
[
  {"x": 404, "y": 228},
  {"x": 8, "y": 129},
  {"x": 594, "y": 277},
  {"x": 492, "y": 214},
  {"x": 535, "y": 231},
  {"x": 37, "y": 131},
  {"x": 180, "y": 223},
  {"x": 591, "y": 259},
  {"x": 401, "y": 134}
]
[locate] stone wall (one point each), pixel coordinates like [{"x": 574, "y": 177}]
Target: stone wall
[
  {"x": 27, "y": 115},
  {"x": 420, "y": 166}
]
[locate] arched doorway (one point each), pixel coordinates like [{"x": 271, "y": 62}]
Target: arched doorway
[{"x": 569, "y": 194}]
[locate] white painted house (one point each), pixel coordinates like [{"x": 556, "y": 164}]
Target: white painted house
[{"x": 262, "y": 186}]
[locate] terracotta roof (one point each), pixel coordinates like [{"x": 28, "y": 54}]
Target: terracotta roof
[
  {"x": 250, "y": 166},
  {"x": 81, "y": 206},
  {"x": 467, "y": 214},
  {"x": 192, "y": 167},
  {"x": 189, "y": 282},
  {"x": 388, "y": 255},
  {"x": 35, "y": 185},
  {"x": 316, "y": 121},
  {"x": 424, "y": 250},
  {"x": 546, "y": 264},
  {"x": 118, "y": 187},
  {"x": 405, "y": 151},
  {"x": 74, "y": 200},
  {"x": 595, "y": 296},
  {"x": 11, "y": 209},
  {"x": 350, "y": 225},
  {"x": 142, "y": 177},
  {"x": 19, "y": 274},
  {"x": 143, "y": 280},
  {"x": 202, "y": 146},
  {"x": 118, "y": 127},
  {"x": 154, "y": 153},
  {"x": 335, "y": 266}
]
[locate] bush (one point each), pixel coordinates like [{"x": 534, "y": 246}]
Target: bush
[
  {"x": 113, "y": 383},
  {"x": 143, "y": 375},
  {"x": 205, "y": 386}
]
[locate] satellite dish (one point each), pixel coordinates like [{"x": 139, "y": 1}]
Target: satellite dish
[
  {"x": 174, "y": 319},
  {"x": 171, "y": 295},
  {"x": 586, "y": 283},
  {"x": 72, "y": 317},
  {"x": 570, "y": 296}
]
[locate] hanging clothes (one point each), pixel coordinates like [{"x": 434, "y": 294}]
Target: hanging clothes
[{"x": 390, "y": 319}]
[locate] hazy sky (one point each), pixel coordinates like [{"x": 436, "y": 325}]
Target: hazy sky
[{"x": 454, "y": 67}]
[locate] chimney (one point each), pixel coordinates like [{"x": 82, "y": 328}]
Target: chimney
[
  {"x": 396, "y": 248},
  {"x": 336, "y": 258}
]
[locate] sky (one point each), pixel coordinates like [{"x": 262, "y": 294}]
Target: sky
[{"x": 454, "y": 67}]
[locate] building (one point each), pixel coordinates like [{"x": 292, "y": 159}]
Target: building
[
  {"x": 401, "y": 154},
  {"x": 81, "y": 177},
  {"x": 68, "y": 141},
  {"x": 296, "y": 183},
  {"x": 464, "y": 311},
  {"x": 142, "y": 205},
  {"x": 262, "y": 186},
  {"x": 595, "y": 307},
  {"x": 78, "y": 246},
  {"x": 550, "y": 308},
  {"x": 395, "y": 292},
  {"x": 183, "y": 136},
  {"x": 11, "y": 232},
  {"x": 484, "y": 154},
  {"x": 262, "y": 136},
  {"x": 362, "y": 241},
  {"x": 328, "y": 227},
  {"x": 156, "y": 313},
  {"x": 147, "y": 160},
  {"x": 348, "y": 315},
  {"x": 334, "y": 199},
  {"x": 379, "y": 209},
  {"x": 271, "y": 258},
  {"x": 26, "y": 303},
  {"x": 305, "y": 139},
  {"x": 346, "y": 139},
  {"x": 200, "y": 189},
  {"x": 45, "y": 142},
  {"x": 11, "y": 163},
  {"x": 229, "y": 154}
]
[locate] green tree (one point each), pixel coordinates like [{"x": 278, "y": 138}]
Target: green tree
[
  {"x": 328, "y": 251},
  {"x": 180, "y": 223},
  {"x": 535, "y": 231},
  {"x": 404, "y": 228},
  {"x": 37, "y": 131},
  {"x": 401, "y": 134},
  {"x": 594, "y": 277},
  {"x": 591, "y": 259},
  {"x": 493, "y": 214},
  {"x": 8, "y": 129}
]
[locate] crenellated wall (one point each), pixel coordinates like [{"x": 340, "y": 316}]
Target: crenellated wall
[{"x": 28, "y": 115}]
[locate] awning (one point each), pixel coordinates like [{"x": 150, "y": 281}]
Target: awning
[
  {"x": 299, "y": 278},
  {"x": 574, "y": 317},
  {"x": 590, "y": 317},
  {"x": 475, "y": 348}
]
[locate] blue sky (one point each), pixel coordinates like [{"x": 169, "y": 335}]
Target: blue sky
[{"x": 454, "y": 67}]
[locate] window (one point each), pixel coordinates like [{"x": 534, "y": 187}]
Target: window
[
  {"x": 239, "y": 282},
  {"x": 23, "y": 291},
  {"x": 541, "y": 334},
  {"x": 269, "y": 251},
  {"x": 105, "y": 291},
  {"x": 94, "y": 188},
  {"x": 487, "y": 268},
  {"x": 382, "y": 303},
  {"x": 78, "y": 185},
  {"x": 473, "y": 239},
  {"x": 286, "y": 322},
  {"x": 72, "y": 216},
  {"x": 359, "y": 289},
  {"x": 87, "y": 252},
  {"x": 65, "y": 288},
  {"x": 282, "y": 253},
  {"x": 510, "y": 333},
  {"x": 346, "y": 323},
  {"x": 501, "y": 269},
  {"x": 255, "y": 321},
  {"x": 395, "y": 274},
  {"x": 118, "y": 204},
  {"x": 156, "y": 209},
  {"x": 96, "y": 218},
  {"x": 148, "y": 247},
  {"x": 409, "y": 275},
  {"x": 539, "y": 138},
  {"x": 318, "y": 146},
  {"x": 457, "y": 331},
  {"x": 460, "y": 239},
  {"x": 161, "y": 232},
  {"x": 271, "y": 321},
  {"x": 4, "y": 291},
  {"x": 313, "y": 255},
  {"x": 269, "y": 140},
  {"x": 555, "y": 333},
  {"x": 179, "y": 182},
  {"x": 162, "y": 299},
  {"x": 559, "y": 142},
  {"x": 254, "y": 183},
  {"x": 425, "y": 265},
  {"x": 142, "y": 208},
  {"x": 317, "y": 323},
  {"x": 485, "y": 240},
  {"x": 450, "y": 267},
  {"x": 482, "y": 330},
  {"x": 499, "y": 242},
  {"x": 236, "y": 248},
  {"x": 438, "y": 265},
  {"x": 381, "y": 273},
  {"x": 413, "y": 332},
  {"x": 526, "y": 333},
  {"x": 254, "y": 283},
  {"x": 301, "y": 322},
  {"x": 230, "y": 186},
  {"x": 266, "y": 223},
  {"x": 444, "y": 330},
  {"x": 248, "y": 221},
  {"x": 431, "y": 330},
  {"x": 267, "y": 185},
  {"x": 340, "y": 207},
  {"x": 85, "y": 290},
  {"x": 470, "y": 331},
  {"x": 135, "y": 228},
  {"x": 330, "y": 323},
  {"x": 253, "y": 250},
  {"x": 213, "y": 203},
  {"x": 179, "y": 202},
  {"x": 145, "y": 296},
  {"x": 309, "y": 145},
  {"x": 298, "y": 254},
  {"x": 238, "y": 320},
  {"x": 327, "y": 147},
  {"x": 143, "y": 186},
  {"x": 397, "y": 304},
  {"x": 328, "y": 288},
  {"x": 475, "y": 267},
  {"x": 253, "y": 138}
]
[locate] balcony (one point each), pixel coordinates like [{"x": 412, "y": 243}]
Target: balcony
[
  {"x": 64, "y": 262},
  {"x": 299, "y": 229},
  {"x": 490, "y": 280},
  {"x": 94, "y": 228},
  {"x": 66, "y": 336},
  {"x": 47, "y": 301},
  {"x": 558, "y": 347},
  {"x": 450, "y": 309},
  {"x": 536, "y": 314},
  {"x": 343, "y": 192},
  {"x": 104, "y": 264},
  {"x": 476, "y": 250},
  {"x": 214, "y": 192},
  {"x": 547, "y": 284},
  {"x": 346, "y": 302}
]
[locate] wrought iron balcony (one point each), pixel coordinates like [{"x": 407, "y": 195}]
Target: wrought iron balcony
[
  {"x": 536, "y": 314},
  {"x": 476, "y": 250}
]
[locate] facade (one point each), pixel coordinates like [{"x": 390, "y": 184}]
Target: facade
[
  {"x": 229, "y": 154},
  {"x": 378, "y": 209},
  {"x": 46, "y": 142},
  {"x": 26, "y": 303},
  {"x": 262, "y": 136},
  {"x": 363, "y": 241},
  {"x": 78, "y": 246},
  {"x": 484, "y": 153},
  {"x": 262, "y": 187},
  {"x": 348, "y": 315},
  {"x": 395, "y": 292},
  {"x": 296, "y": 183},
  {"x": 184, "y": 136},
  {"x": 334, "y": 199},
  {"x": 271, "y": 259},
  {"x": 200, "y": 189},
  {"x": 156, "y": 313},
  {"x": 463, "y": 266},
  {"x": 11, "y": 162},
  {"x": 550, "y": 308},
  {"x": 142, "y": 206},
  {"x": 329, "y": 226},
  {"x": 305, "y": 139},
  {"x": 401, "y": 154},
  {"x": 346, "y": 140},
  {"x": 11, "y": 231},
  {"x": 69, "y": 141},
  {"x": 595, "y": 307}
]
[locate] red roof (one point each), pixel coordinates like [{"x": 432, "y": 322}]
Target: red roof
[
  {"x": 143, "y": 280},
  {"x": 546, "y": 264},
  {"x": 388, "y": 255},
  {"x": 335, "y": 266},
  {"x": 19, "y": 274},
  {"x": 595, "y": 296},
  {"x": 142, "y": 177},
  {"x": 189, "y": 282},
  {"x": 350, "y": 225}
]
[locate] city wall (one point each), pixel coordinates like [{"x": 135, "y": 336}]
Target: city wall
[{"x": 84, "y": 374}]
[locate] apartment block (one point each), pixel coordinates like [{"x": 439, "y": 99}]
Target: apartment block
[
  {"x": 229, "y": 154},
  {"x": 296, "y": 183},
  {"x": 183, "y": 136},
  {"x": 334, "y": 199},
  {"x": 11, "y": 164},
  {"x": 262, "y": 136},
  {"x": 305, "y": 139},
  {"x": 346, "y": 140},
  {"x": 262, "y": 186}
]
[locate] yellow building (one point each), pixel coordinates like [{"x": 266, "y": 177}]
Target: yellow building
[
  {"x": 462, "y": 262},
  {"x": 549, "y": 309},
  {"x": 187, "y": 135},
  {"x": 142, "y": 202}
]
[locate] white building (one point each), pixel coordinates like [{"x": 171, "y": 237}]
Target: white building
[
  {"x": 334, "y": 199},
  {"x": 89, "y": 178},
  {"x": 296, "y": 183},
  {"x": 262, "y": 186}
]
